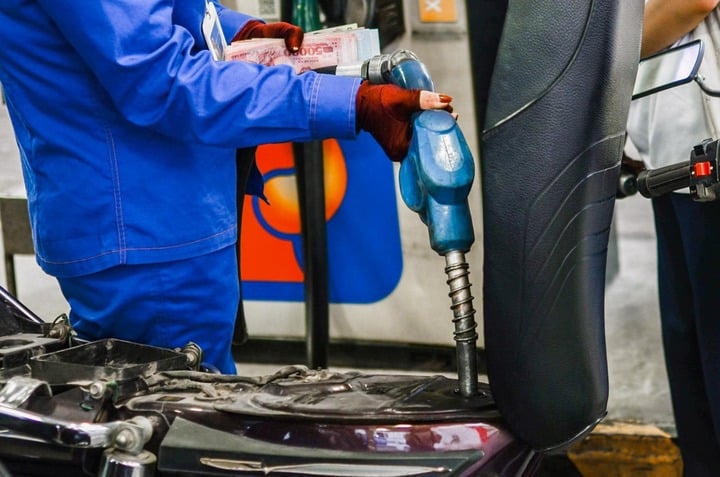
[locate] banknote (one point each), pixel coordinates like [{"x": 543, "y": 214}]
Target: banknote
[
  {"x": 321, "y": 49},
  {"x": 368, "y": 39}
]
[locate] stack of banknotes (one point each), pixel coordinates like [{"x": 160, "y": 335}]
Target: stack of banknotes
[{"x": 343, "y": 45}]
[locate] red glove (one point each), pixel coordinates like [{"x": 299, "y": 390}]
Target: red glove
[
  {"x": 385, "y": 111},
  {"x": 292, "y": 34}
]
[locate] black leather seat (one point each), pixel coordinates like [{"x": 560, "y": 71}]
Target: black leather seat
[{"x": 551, "y": 143}]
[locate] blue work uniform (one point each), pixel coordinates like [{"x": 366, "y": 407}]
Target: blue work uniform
[{"x": 127, "y": 130}]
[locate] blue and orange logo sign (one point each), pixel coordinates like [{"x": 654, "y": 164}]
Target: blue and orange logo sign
[{"x": 363, "y": 233}]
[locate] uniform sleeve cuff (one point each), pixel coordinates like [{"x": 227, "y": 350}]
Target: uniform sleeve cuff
[{"x": 333, "y": 97}]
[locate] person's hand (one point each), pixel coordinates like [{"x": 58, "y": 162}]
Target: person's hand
[
  {"x": 385, "y": 111},
  {"x": 635, "y": 165},
  {"x": 293, "y": 35}
]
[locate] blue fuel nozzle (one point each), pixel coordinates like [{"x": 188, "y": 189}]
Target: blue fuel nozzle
[
  {"x": 436, "y": 175},
  {"x": 435, "y": 180}
]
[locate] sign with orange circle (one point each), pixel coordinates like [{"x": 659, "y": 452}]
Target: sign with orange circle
[{"x": 363, "y": 231}]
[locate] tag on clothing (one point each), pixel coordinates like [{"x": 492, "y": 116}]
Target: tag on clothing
[{"x": 212, "y": 31}]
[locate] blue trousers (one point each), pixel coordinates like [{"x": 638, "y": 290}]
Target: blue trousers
[
  {"x": 688, "y": 241},
  {"x": 161, "y": 304}
]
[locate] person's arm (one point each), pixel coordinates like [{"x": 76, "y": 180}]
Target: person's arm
[
  {"x": 666, "y": 21},
  {"x": 152, "y": 71}
]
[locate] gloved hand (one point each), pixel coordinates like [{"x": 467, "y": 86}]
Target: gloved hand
[
  {"x": 385, "y": 110},
  {"x": 292, "y": 34}
]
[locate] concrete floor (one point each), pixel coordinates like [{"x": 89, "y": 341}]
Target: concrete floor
[{"x": 638, "y": 384}]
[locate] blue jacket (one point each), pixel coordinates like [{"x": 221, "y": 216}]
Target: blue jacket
[{"x": 127, "y": 127}]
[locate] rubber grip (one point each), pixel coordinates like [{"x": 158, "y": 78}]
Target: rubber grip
[{"x": 657, "y": 182}]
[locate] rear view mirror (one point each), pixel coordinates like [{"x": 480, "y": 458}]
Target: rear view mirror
[{"x": 668, "y": 68}]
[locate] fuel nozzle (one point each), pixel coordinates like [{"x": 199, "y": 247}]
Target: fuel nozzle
[{"x": 435, "y": 179}]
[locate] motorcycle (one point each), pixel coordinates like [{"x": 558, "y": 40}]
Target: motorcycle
[
  {"x": 111, "y": 408},
  {"x": 116, "y": 408}
]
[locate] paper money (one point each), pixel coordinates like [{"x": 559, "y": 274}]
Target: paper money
[
  {"x": 321, "y": 49},
  {"x": 368, "y": 39}
]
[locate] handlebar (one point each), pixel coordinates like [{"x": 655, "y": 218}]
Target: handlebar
[
  {"x": 657, "y": 182},
  {"x": 701, "y": 174}
]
